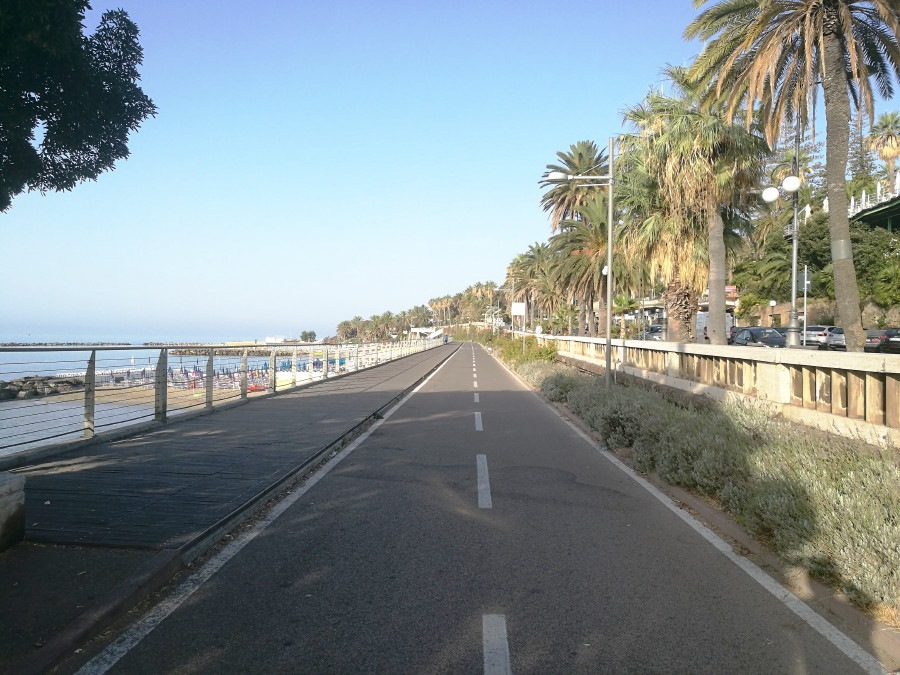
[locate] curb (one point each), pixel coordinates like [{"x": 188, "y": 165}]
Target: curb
[
  {"x": 213, "y": 534},
  {"x": 150, "y": 577},
  {"x": 167, "y": 563}
]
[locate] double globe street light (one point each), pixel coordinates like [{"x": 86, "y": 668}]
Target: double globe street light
[
  {"x": 605, "y": 181},
  {"x": 790, "y": 185}
]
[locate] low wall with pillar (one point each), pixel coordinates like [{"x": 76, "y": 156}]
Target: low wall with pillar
[
  {"x": 851, "y": 394},
  {"x": 12, "y": 509}
]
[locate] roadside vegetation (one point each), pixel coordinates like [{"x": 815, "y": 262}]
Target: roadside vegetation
[
  {"x": 513, "y": 351},
  {"x": 698, "y": 150},
  {"x": 823, "y": 502}
]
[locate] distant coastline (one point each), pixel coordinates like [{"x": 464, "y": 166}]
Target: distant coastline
[{"x": 64, "y": 344}]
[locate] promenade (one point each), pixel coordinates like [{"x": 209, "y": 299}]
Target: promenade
[{"x": 110, "y": 522}]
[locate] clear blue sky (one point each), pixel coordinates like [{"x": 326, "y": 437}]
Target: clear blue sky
[{"x": 312, "y": 161}]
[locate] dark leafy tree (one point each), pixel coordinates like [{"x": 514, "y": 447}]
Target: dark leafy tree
[{"x": 67, "y": 101}]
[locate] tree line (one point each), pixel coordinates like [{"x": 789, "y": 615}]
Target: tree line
[{"x": 687, "y": 180}]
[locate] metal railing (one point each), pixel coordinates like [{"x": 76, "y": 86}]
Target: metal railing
[
  {"x": 880, "y": 196},
  {"x": 53, "y": 394}
]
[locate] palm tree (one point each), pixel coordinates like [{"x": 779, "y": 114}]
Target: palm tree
[
  {"x": 355, "y": 325},
  {"x": 530, "y": 270},
  {"x": 564, "y": 197},
  {"x": 623, "y": 304},
  {"x": 886, "y": 285},
  {"x": 344, "y": 331},
  {"x": 581, "y": 249},
  {"x": 776, "y": 54},
  {"x": 702, "y": 165},
  {"x": 675, "y": 251},
  {"x": 441, "y": 309},
  {"x": 420, "y": 316},
  {"x": 884, "y": 138}
]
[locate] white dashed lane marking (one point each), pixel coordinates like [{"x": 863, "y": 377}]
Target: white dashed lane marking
[
  {"x": 496, "y": 645},
  {"x": 484, "y": 483}
]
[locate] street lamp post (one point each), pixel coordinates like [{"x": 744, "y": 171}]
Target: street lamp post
[
  {"x": 790, "y": 185},
  {"x": 607, "y": 182}
]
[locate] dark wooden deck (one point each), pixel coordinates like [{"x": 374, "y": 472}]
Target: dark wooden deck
[{"x": 165, "y": 488}]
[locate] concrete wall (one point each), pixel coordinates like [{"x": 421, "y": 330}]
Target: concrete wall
[{"x": 12, "y": 509}]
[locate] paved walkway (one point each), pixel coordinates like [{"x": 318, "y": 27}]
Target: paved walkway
[{"x": 107, "y": 522}]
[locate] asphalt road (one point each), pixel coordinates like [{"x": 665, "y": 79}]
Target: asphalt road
[{"x": 475, "y": 531}]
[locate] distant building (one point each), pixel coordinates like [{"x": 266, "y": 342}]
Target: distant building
[{"x": 884, "y": 214}]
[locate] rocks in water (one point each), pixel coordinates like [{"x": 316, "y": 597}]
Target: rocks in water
[{"x": 38, "y": 385}]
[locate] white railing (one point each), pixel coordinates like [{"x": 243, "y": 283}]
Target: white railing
[{"x": 867, "y": 201}]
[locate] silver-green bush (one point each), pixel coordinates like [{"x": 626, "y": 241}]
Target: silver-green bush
[
  {"x": 536, "y": 373},
  {"x": 826, "y": 502}
]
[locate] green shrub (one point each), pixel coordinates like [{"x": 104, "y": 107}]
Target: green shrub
[
  {"x": 515, "y": 353},
  {"x": 557, "y": 386},
  {"x": 825, "y": 502}
]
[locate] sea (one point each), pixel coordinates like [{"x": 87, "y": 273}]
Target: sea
[
  {"x": 60, "y": 358},
  {"x": 29, "y": 423}
]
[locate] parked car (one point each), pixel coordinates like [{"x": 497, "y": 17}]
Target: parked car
[
  {"x": 654, "y": 332},
  {"x": 883, "y": 340},
  {"x": 834, "y": 339},
  {"x": 814, "y": 335},
  {"x": 729, "y": 332},
  {"x": 759, "y": 336}
]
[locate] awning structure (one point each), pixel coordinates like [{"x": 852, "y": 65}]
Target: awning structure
[
  {"x": 428, "y": 332},
  {"x": 886, "y": 215}
]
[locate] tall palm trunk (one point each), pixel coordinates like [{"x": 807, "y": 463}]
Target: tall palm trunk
[
  {"x": 715, "y": 328},
  {"x": 837, "y": 141},
  {"x": 681, "y": 309},
  {"x": 592, "y": 324}
]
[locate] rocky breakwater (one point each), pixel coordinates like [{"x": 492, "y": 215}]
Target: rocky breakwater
[{"x": 38, "y": 385}]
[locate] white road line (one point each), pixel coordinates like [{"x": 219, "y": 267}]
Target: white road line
[
  {"x": 476, "y": 397},
  {"x": 484, "y": 483},
  {"x": 478, "y": 426},
  {"x": 496, "y": 645},
  {"x": 818, "y": 623},
  {"x": 826, "y": 629},
  {"x": 476, "y": 383},
  {"x": 142, "y": 628}
]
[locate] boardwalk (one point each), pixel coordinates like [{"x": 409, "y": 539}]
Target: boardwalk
[{"x": 167, "y": 488}]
